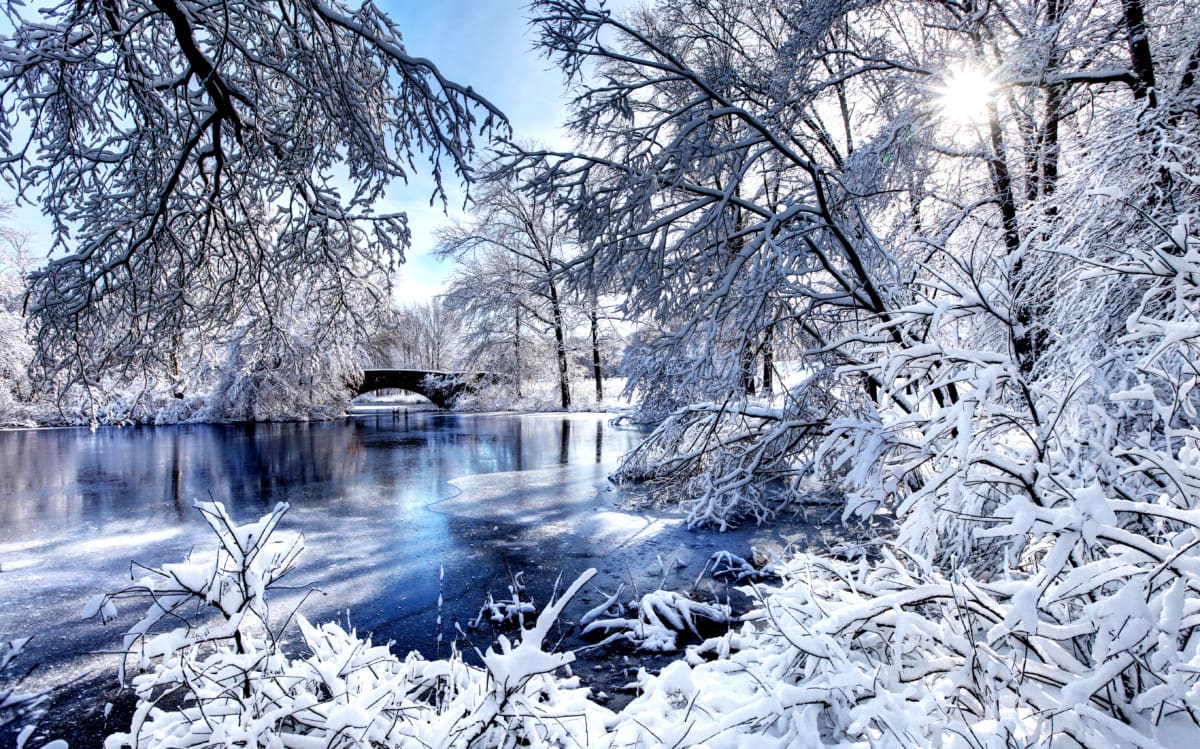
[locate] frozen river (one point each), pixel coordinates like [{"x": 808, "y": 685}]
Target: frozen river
[{"x": 386, "y": 503}]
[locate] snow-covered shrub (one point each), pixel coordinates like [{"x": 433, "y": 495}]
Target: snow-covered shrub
[
  {"x": 504, "y": 394},
  {"x": 348, "y": 692},
  {"x": 13, "y": 412},
  {"x": 15, "y": 352},
  {"x": 724, "y": 463},
  {"x": 224, "y": 680},
  {"x": 255, "y": 376},
  {"x": 1055, "y": 505},
  {"x": 299, "y": 373},
  {"x": 896, "y": 654},
  {"x": 890, "y": 653},
  {"x": 231, "y": 582}
]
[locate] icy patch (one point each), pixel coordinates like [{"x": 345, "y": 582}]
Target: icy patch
[
  {"x": 553, "y": 502},
  {"x": 123, "y": 542}
]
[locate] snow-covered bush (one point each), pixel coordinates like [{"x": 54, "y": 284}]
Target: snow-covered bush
[
  {"x": 896, "y": 654},
  {"x": 14, "y": 357},
  {"x": 891, "y": 653},
  {"x": 505, "y": 394},
  {"x": 229, "y": 584},
  {"x": 348, "y": 692},
  {"x": 290, "y": 366},
  {"x": 724, "y": 463},
  {"x": 224, "y": 679},
  {"x": 290, "y": 376},
  {"x": 15, "y": 352}
]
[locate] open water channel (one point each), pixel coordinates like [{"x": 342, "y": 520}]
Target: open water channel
[{"x": 391, "y": 505}]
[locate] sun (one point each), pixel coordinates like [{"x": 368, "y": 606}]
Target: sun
[{"x": 965, "y": 95}]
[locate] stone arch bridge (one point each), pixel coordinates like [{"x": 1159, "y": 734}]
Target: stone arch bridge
[{"x": 443, "y": 388}]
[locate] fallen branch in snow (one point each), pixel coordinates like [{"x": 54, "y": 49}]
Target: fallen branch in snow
[
  {"x": 661, "y": 616},
  {"x": 727, "y": 564},
  {"x": 509, "y": 611}
]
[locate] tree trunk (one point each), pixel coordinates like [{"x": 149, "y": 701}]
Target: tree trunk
[
  {"x": 560, "y": 340},
  {"x": 1026, "y": 339},
  {"x": 1140, "y": 58},
  {"x": 746, "y": 356},
  {"x": 748, "y": 369},
  {"x": 596, "y": 373},
  {"x": 1186, "y": 82},
  {"x": 517, "y": 349},
  {"x": 768, "y": 360},
  {"x": 1047, "y": 143},
  {"x": 1002, "y": 183},
  {"x": 1188, "y": 79},
  {"x": 1049, "y": 146}
]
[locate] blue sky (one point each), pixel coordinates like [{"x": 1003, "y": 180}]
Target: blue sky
[
  {"x": 485, "y": 44},
  {"x": 482, "y": 43}
]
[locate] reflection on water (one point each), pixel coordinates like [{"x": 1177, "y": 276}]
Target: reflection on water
[
  {"x": 67, "y": 481},
  {"x": 76, "y": 506},
  {"x": 385, "y": 502},
  {"x": 63, "y": 482}
]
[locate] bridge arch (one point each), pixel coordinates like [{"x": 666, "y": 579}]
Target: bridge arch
[{"x": 443, "y": 388}]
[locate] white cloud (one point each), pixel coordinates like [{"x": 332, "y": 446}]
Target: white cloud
[{"x": 420, "y": 279}]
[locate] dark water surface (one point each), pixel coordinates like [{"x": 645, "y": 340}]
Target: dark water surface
[{"x": 385, "y": 503}]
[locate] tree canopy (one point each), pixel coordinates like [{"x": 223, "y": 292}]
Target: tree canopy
[{"x": 200, "y": 160}]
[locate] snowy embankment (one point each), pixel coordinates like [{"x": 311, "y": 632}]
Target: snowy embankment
[{"x": 833, "y": 654}]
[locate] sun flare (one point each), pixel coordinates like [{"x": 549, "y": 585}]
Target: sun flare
[{"x": 965, "y": 94}]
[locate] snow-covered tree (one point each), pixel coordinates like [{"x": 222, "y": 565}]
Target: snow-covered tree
[
  {"x": 513, "y": 247},
  {"x": 792, "y": 175},
  {"x": 16, "y": 354},
  {"x": 417, "y": 336},
  {"x": 199, "y": 161},
  {"x": 711, "y": 190},
  {"x": 488, "y": 303}
]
